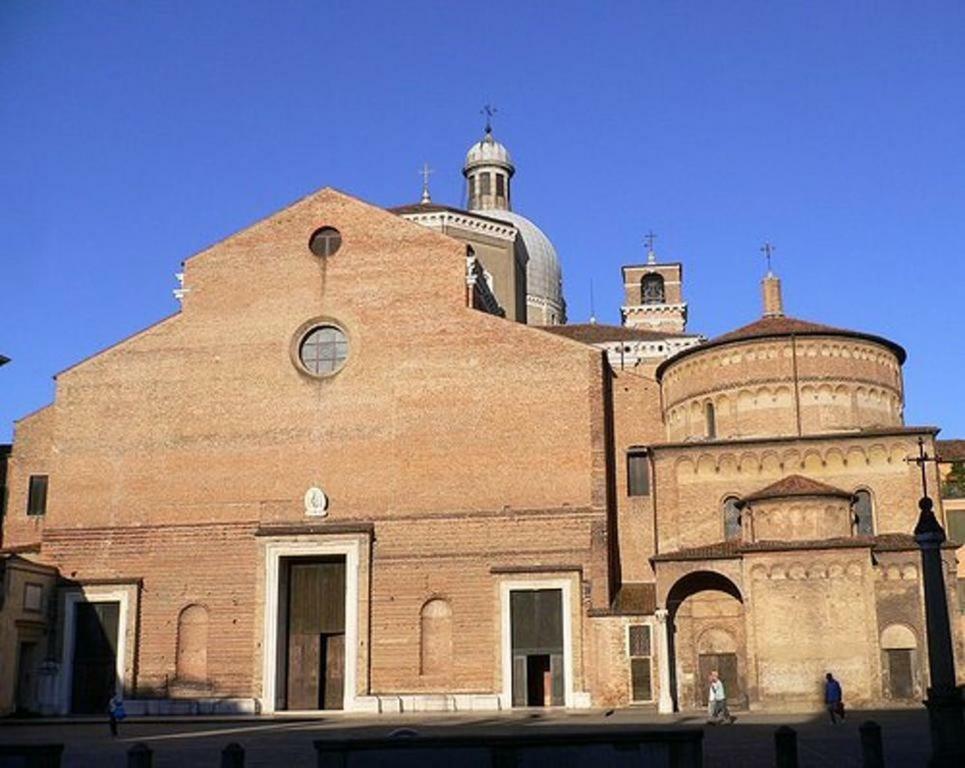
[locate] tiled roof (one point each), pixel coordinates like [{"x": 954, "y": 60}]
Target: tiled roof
[
  {"x": 887, "y": 542},
  {"x": 951, "y": 450},
  {"x": 597, "y": 333},
  {"x": 636, "y": 599},
  {"x": 717, "y": 551},
  {"x": 770, "y": 327},
  {"x": 777, "y": 326},
  {"x": 795, "y": 485}
]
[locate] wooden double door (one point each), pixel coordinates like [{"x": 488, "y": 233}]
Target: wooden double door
[
  {"x": 315, "y": 664},
  {"x": 536, "y": 628},
  {"x": 901, "y": 681}
]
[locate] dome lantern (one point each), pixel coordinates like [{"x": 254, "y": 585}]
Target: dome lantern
[{"x": 488, "y": 171}]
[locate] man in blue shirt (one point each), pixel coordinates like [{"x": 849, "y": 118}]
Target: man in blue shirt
[{"x": 833, "y": 698}]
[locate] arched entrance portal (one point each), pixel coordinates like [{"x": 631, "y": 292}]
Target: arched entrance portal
[{"x": 705, "y": 626}]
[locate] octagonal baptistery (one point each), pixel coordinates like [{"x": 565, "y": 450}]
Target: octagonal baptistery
[{"x": 780, "y": 376}]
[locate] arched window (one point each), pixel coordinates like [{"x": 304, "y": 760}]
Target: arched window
[
  {"x": 732, "y": 518},
  {"x": 651, "y": 289},
  {"x": 711, "y": 420},
  {"x": 192, "y": 657},
  {"x": 436, "y": 640},
  {"x": 862, "y": 514}
]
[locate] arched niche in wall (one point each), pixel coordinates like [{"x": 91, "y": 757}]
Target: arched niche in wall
[
  {"x": 192, "y": 655},
  {"x": 435, "y": 651}
]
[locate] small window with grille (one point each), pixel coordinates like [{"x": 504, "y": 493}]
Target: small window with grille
[
  {"x": 638, "y": 474},
  {"x": 641, "y": 663},
  {"x": 485, "y": 182},
  {"x": 37, "y": 495}
]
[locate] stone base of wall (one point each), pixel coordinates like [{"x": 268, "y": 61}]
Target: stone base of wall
[
  {"x": 443, "y": 702},
  {"x": 167, "y": 707},
  {"x": 426, "y": 702}
]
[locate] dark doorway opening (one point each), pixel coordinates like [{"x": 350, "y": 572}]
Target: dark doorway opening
[
  {"x": 94, "y": 670},
  {"x": 314, "y": 631},
  {"x": 900, "y": 681},
  {"x": 536, "y": 628},
  {"x": 539, "y": 680},
  {"x": 26, "y": 693}
]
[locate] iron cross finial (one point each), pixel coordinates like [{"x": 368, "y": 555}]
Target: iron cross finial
[
  {"x": 767, "y": 249},
  {"x": 425, "y": 173},
  {"x": 489, "y": 111},
  {"x": 922, "y": 460},
  {"x": 648, "y": 241}
]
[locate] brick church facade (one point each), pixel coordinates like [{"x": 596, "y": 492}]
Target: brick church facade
[{"x": 367, "y": 467}]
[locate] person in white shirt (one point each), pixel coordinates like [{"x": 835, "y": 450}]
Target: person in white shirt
[{"x": 717, "y": 701}]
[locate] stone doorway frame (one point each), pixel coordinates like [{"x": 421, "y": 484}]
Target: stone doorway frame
[
  {"x": 506, "y": 662},
  {"x": 274, "y": 552},
  {"x": 86, "y": 595}
]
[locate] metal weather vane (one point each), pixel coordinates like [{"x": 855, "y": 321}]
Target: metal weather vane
[{"x": 490, "y": 112}]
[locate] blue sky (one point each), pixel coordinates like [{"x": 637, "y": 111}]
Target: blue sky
[{"x": 135, "y": 134}]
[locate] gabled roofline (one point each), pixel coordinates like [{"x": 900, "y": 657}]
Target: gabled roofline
[{"x": 108, "y": 348}]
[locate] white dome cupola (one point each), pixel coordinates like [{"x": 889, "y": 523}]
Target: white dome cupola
[{"x": 488, "y": 171}]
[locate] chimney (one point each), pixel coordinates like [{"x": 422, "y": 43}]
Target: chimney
[{"x": 773, "y": 306}]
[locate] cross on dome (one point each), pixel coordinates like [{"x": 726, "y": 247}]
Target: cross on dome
[{"x": 425, "y": 172}]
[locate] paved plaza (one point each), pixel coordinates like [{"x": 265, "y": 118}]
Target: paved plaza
[{"x": 288, "y": 742}]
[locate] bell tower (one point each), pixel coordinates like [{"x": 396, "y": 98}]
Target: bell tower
[{"x": 654, "y": 294}]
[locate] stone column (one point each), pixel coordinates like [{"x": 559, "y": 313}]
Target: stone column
[
  {"x": 665, "y": 702},
  {"x": 945, "y": 704}
]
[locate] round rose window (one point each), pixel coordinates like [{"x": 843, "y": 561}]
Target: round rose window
[{"x": 323, "y": 350}]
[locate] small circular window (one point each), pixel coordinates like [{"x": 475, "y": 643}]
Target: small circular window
[
  {"x": 323, "y": 350},
  {"x": 325, "y": 241}
]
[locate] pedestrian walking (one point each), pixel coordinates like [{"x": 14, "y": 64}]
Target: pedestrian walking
[
  {"x": 833, "y": 698},
  {"x": 717, "y": 701},
  {"x": 115, "y": 712}
]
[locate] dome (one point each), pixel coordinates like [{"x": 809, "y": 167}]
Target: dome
[
  {"x": 543, "y": 274},
  {"x": 488, "y": 151}
]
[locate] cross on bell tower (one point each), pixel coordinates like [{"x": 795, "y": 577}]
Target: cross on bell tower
[{"x": 648, "y": 241}]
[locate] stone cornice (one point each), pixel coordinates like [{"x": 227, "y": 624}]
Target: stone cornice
[
  {"x": 441, "y": 219},
  {"x": 766, "y": 440},
  {"x": 653, "y": 308}
]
